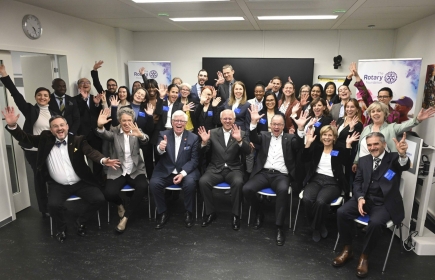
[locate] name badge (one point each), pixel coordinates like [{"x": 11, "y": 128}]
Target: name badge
[
  {"x": 317, "y": 124},
  {"x": 141, "y": 114},
  {"x": 334, "y": 153},
  {"x": 263, "y": 121},
  {"x": 237, "y": 111},
  {"x": 210, "y": 113},
  {"x": 165, "y": 108},
  {"x": 187, "y": 148},
  {"x": 389, "y": 174}
]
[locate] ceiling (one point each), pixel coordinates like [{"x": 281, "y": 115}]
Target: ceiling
[{"x": 384, "y": 14}]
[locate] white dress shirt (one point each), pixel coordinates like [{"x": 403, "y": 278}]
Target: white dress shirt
[
  {"x": 275, "y": 156},
  {"x": 127, "y": 165},
  {"x": 168, "y": 124},
  {"x": 60, "y": 167},
  {"x": 177, "y": 148}
]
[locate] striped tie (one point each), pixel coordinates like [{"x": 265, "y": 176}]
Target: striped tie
[
  {"x": 61, "y": 105},
  {"x": 377, "y": 162}
]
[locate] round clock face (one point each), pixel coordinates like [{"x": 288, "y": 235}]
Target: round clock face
[{"x": 32, "y": 27}]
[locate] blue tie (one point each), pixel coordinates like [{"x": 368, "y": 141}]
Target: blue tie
[{"x": 58, "y": 143}]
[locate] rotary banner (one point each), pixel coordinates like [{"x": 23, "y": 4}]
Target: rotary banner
[{"x": 157, "y": 70}]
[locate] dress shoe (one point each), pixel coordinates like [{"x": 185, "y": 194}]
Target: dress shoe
[
  {"x": 162, "y": 220},
  {"x": 121, "y": 210},
  {"x": 344, "y": 256},
  {"x": 323, "y": 231},
  {"x": 208, "y": 219},
  {"x": 363, "y": 266},
  {"x": 316, "y": 235},
  {"x": 61, "y": 236},
  {"x": 259, "y": 220},
  {"x": 280, "y": 237},
  {"x": 122, "y": 225},
  {"x": 236, "y": 222},
  {"x": 189, "y": 219},
  {"x": 81, "y": 229}
]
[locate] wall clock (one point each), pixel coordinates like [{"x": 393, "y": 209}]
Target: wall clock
[{"x": 32, "y": 27}]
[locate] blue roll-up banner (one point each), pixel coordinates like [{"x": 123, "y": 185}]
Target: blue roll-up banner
[{"x": 158, "y": 70}]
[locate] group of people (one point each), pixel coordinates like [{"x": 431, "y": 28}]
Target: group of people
[{"x": 198, "y": 136}]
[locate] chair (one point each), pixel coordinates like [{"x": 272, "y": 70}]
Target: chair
[
  {"x": 73, "y": 198},
  {"x": 223, "y": 186},
  {"x": 364, "y": 220},
  {"x": 339, "y": 200},
  {"x": 270, "y": 192},
  {"x": 178, "y": 188}
]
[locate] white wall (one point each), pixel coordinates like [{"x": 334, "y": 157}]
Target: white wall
[
  {"x": 83, "y": 42},
  {"x": 124, "y": 46}
]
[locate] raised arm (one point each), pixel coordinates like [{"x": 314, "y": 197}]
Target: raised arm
[
  {"x": 95, "y": 78},
  {"x": 22, "y": 105}
]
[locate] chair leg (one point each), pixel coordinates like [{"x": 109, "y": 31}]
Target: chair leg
[
  {"x": 241, "y": 210},
  {"x": 389, "y": 248},
  {"x": 203, "y": 206},
  {"x": 196, "y": 205},
  {"x": 336, "y": 242},
  {"x": 249, "y": 215},
  {"x": 291, "y": 204},
  {"x": 108, "y": 212},
  {"x": 99, "y": 222},
  {"x": 51, "y": 226},
  {"x": 297, "y": 213},
  {"x": 400, "y": 233},
  {"x": 149, "y": 203}
]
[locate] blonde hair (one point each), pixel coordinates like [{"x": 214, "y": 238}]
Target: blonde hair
[
  {"x": 328, "y": 128},
  {"x": 232, "y": 98},
  {"x": 379, "y": 106}
]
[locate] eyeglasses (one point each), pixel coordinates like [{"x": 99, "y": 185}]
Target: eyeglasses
[
  {"x": 276, "y": 124},
  {"x": 185, "y": 89},
  {"x": 227, "y": 119},
  {"x": 179, "y": 121},
  {"x": 86, "y": 83},
  {"x": 383, "y": 96}
]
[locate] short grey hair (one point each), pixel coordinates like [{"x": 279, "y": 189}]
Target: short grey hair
[
  {"x": 186, "y": 85},
  {"x": 226, "y": 110},
  {"x": 179, "y": 113},
  {"x": 376, "y": 134},
  {"x": 127, "y": 111}
]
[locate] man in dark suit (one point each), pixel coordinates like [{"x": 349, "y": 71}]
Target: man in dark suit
[
  {"x": 112, "y": 85},
  {"x": 275, "y": 166},
  {"x": 64, "y": 105},
  {"x": 274, "y": 86},
  {"x": 60, "y": 163},
  {"x": 226, "y": 144},
  {"x": 195, "y": 91},
  {"x": 376, "y": 193},
  {"x": 225, "y": 82},
  {"x": 178, "y": 149}
]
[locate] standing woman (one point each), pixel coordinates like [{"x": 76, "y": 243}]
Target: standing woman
[
  {"x": 319, "y": 114},
  {"x": 121, "y": 100},
  {"x": 325, "y": 179},
  {"x": 136, "y": 85},
  {"x": 259, "y": 91},
  {"x": 187, "y": 100},
  {"x": 36, "y": 120},
  {"x": 270, "y": 109},
  {"x": 316, "y": 92},
  {"x": 338, "y": 110},
  {"x": 286, "y": 105},
  {"x": 331, "y": 94},
  {"x": 205, "y": 110}
]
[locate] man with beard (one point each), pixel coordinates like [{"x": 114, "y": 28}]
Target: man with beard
[
  {"x": 275, "y": 87},
  {"x": 225, "y": 82},
  {"x": 197, "y": 88},
  {"x": 112, "y": 85}
]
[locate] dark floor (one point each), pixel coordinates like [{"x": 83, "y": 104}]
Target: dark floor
[{"x": 217, "y": 252}]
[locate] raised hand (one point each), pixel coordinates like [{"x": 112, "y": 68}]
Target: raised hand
[
  {"x": 352, "y": 138},
  {"x": 290, "y": 79},
  {"x": 103, "y": 96},
  {"x": 150, "y": 109},
  {"x": 296, "y": 108},
  {"x": 213, "y": 92},
  {"x": 188, "y": 107},
  {"x": 203, "y": 99},
  {"x": 98, "y": 64},
  {"x": 401, "y": 146},
  {"x": 333, "y": 124},
  {"x": 204, "y": 134},
  {"x": 269, "y": 86},
  {"x": 353, "y": 122},
  {"x": 10, "y": 117},
  {"x": 103, "y": 118},
  {"x": 114, "y": 101},
  {"x": 304, "y": 98},
  {"x": 425, "y": 114},
  {"x": 328, "y": 104},
  {"x": 3, "y": 70},
  {"x": 312, "y": 122},
  {"x": 97, "y": 99},
  {"x": 220, "y": 80},
  {"x": 135, "y": 131},
  {"x": 163, "y": 143},
  {"x": 163, "y": 89},
  {"x": 235, "y": 133},
  {"x": 303, "y": 118},
  {"x": 114, "y": 163},
  {"x": 216, "y": 102},
  {"x": 310, "y": 137},
  {"x": 142, "y": 71},
  {"x": 255, "y": 116}
]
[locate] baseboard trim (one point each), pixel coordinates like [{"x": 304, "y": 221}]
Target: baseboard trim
[{"x": 5, "y": 221}]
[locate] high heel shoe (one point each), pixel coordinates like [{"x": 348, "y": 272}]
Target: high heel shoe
[{"x": 122, "y": 225}]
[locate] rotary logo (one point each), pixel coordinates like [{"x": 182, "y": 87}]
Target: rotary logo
[
  {"x": 153, "y": 74},
  {"x": 390, "y": 77}
]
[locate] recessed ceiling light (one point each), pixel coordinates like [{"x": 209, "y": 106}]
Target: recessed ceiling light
[
  {"x": 175, "y": 1},
  {"x": 208, "y": 19},
  {"x": 296, "y": 17}
]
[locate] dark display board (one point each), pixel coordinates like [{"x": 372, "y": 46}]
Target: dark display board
[{"x": 251, "y": 70}]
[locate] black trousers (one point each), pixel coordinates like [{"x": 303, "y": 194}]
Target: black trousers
[
  {"x": 210, "y": 179},
  {"x": 114, "y": 186},
  {"x": 278, "y": 182},
  {"x": 318, "y": 195},
  {"x": 58, "y": 194},
  {"x": 379, "y": 217},
  {"x": 40, "y": 190},
  {"x": 148, "y": 157}
]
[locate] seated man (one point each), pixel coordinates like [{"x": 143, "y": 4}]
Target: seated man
[
  {"x": 178, "y": 149},
  {"x": 62, "y": 165},
  {"x": 275, "y": 166},
  {"x": 375, "y": 192},
  {"x": 125, "y": 141},
  {"x": 226, "y": 143}
]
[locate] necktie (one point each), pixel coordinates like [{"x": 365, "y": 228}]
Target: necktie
[
  {"x": 377, "y": 162},
  {"x": 229, "y": 91},
  {"x": 61, "y": 105},
  {"x": 58, "y": 143}
]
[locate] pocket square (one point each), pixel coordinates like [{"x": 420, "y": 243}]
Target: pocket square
[{"x": 187, "y": 148}]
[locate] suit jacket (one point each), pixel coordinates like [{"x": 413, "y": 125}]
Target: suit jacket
[
  {"x": 29, "y": 111},
  {"x": 71, "y": 112},
  {"x": 221, "y": 154},
  {"x": 88, "y": 115},
  {"x": 223, "y": 90},
  {"x": 313, "y": 156},
  {"x": 160, "y": 126},
  {"x": 325, "y": 120},
  {"x": 117, "y": 150},
  {"x": 194, "y": 94},
  {"x": 78, "y": 147},
  {"x": 290, "y": 144},
  {"x": 205, "y": 119},
  {"x": 99, "y": 87},
  {"x": 279, "y": 96},
  {"x": 341, "y": 140},
  {"x": 187, "y": 158},
  {"x": 335, "y": 111},
  {"x": 390, "y": 188}
]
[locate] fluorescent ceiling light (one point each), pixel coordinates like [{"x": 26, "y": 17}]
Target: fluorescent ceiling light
[
  {"x": 208, "y": 19},
  {"x": 175, "y": 1},
  {"x": 296, "y": 17}
]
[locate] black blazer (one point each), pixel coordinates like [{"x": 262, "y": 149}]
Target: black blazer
[
  {"x": 390, "y": 188},
  {"x": 205, "y": 119},
  {"x": 312, "y": 157},
  {"x": 71, "y": 112},
  {"x": 88, "y": 115},
  {"x": 223, "y": 90},
  {"x": 325, "y": 120},
  {"x": 341, "y": 140},
  {"x": 29, "y": 111},
  {"x": 99, "y": 87}
]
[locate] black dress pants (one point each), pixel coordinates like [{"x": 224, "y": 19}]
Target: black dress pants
[{"x": 40, "y": 188}]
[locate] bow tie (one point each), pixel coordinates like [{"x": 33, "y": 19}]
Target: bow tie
[{"x": 58, "y": 143}]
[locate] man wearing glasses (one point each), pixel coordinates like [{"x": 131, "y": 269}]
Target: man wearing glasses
[
  {"x": 112, "y": 85},
  {"x": 178, "y": 149}
]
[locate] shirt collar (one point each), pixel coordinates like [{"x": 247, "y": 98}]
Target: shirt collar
[
  {"x": 226, "y": 131},
  {"x": 57, "y": 96},
  {"x": 66, "y": 139},
  {"x": 178, "y": 137},
  {"x": 381, "y": 156},
  {"x": 279, "y": 136}
]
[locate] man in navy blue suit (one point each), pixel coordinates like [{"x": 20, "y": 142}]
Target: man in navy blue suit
[
  {"x": 195, "y": 91},
  {"x": 178, "y": 149}
]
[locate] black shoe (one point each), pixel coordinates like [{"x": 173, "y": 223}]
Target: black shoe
[
  {"x": 280, "y": 237},
  {"x": 61, "y": 236},
  {"x": 236, "y": 222},
  {"x": 81, "y": 229},
  {"x": 259, "y": 221},
  {"x": 162, "y": 220},
  {"x": 208, "y": 219},
  {"x": 189, "y": 219}
]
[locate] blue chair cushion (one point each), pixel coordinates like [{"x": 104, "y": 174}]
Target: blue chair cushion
[
  {"x": 267, "y": 191},
  {"x": 364, "y": 219},
  {"x": 223, "y": 184},
  {"x": 127, "y": 188},
  {"x": 174, "y": 187}
]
